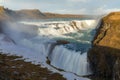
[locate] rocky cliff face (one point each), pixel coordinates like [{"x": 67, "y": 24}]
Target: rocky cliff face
[
  {"x": 105, "y": 53},
  {"x": 6, "y": 14}
]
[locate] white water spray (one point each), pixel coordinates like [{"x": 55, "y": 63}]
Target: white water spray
[{"x": 40, "y": 36}]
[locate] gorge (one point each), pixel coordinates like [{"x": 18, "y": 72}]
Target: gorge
[{"x": 81, "y": 46}]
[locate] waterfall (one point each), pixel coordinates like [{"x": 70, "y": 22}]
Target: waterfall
[
  {"x": 69, "y": 60},
  {"x": 42, "y": 36}
]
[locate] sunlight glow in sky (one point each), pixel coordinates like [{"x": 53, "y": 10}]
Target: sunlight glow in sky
[{"x": 65, "y": 6}]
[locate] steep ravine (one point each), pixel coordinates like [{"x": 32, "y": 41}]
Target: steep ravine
[{"x": 104, "y": 56}]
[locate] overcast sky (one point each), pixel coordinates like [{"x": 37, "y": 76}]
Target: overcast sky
[{"x": 65, "y": 6}]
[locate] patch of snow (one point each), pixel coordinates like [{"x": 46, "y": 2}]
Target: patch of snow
[{"x": 7, "y": 46}]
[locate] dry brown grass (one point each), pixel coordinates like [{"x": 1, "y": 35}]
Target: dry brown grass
[{"x": 15, "y": 68}]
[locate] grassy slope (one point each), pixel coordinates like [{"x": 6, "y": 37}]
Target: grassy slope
[{"x": 15, "y": 68}]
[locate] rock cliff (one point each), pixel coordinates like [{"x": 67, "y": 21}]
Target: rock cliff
[
  {"x": 105, "y": 52},
  {"x": 6, "y": 14}
]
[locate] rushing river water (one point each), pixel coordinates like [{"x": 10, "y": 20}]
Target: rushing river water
[{"x": 41, "y": 36}]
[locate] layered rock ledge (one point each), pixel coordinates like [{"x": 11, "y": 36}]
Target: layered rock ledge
[{"x": 104, "y": 56}]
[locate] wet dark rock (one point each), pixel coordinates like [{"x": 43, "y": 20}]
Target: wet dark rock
[
  {"x": 60, "y": 42},
  {"x": 116, "y": 70}
]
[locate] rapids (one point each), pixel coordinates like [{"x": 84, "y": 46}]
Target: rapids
[{"x": 42, "y": 36}]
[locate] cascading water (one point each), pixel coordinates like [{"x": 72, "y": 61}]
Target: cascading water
[
  {"x": 69, "y": 60},
  {"x": 42, "y": 36}
]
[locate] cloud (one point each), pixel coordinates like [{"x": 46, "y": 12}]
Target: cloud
[
  {"x": 78, "y": 0},
  {"x": 97, "y": 11},
  {"x": 65, "y": 6},
  {"x": 103, "y": 10},
  {"x": 112, "y": 10},
  {"x": 68, "y": 11}
]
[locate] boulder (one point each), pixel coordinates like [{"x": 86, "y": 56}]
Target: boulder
[{"x": 61, "y": 42}]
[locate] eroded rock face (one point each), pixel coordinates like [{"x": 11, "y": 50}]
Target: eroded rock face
[
  {"x": 106, "y": 47},
  {"x": 116, "y": 70}
]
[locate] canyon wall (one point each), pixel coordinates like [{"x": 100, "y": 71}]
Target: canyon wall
[{"x": 104, "y": 56}]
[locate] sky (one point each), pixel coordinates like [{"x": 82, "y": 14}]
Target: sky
[{"x": 65, "y": 6}]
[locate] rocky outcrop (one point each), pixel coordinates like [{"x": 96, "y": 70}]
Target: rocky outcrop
[
  {"x": 6, "y": 14},
  {"x": 116, "y": 70},
  {"x": 105, "y": 52}
]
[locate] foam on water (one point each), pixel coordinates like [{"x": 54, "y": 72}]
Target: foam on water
[{"x": 41, "y": 38}]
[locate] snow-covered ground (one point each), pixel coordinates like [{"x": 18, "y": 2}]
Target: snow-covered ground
[
  {"x": 35, "y": 41},
  {"x": 8, "y": 46}
]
